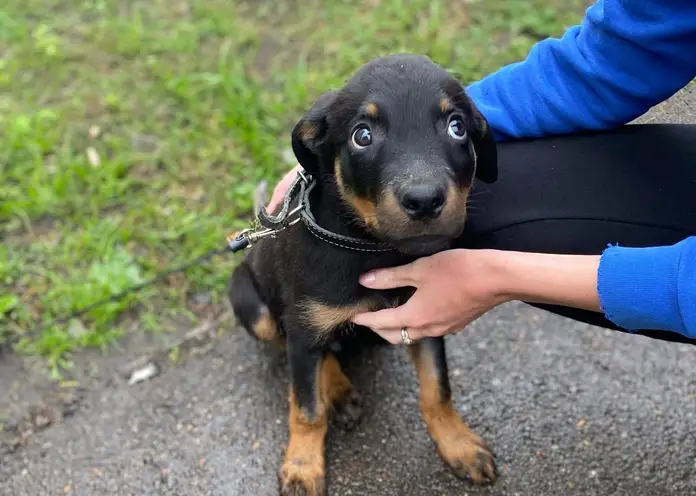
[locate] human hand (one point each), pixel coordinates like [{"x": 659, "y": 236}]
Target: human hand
[
  {"x": 453, "y": 288},
  {"x": 282, "y": 188}
]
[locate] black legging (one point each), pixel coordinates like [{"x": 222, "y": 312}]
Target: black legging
[{"x": 635, "y": 186}]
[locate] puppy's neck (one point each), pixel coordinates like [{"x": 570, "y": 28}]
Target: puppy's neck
[{"x": 331, "y": 211}]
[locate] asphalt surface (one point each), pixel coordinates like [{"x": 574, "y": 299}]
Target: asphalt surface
[{"x": 567, "y": 408}]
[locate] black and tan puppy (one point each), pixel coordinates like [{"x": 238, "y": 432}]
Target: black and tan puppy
[{"x": 394, "y": 153}]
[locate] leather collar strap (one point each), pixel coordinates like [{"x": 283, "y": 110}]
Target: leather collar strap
[
  {"x": 300, "y": 188},
  {"x": 333, "y": 238}
]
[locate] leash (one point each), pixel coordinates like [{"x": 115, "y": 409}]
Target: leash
[{"x": 266, "y": 225}]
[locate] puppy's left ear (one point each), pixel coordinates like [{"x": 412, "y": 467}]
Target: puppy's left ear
[
  {"x": 309, "y": 134},
  {"x": 486, "y": 148}
]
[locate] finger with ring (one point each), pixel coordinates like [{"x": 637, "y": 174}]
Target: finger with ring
[{"x": 405, "y": 337}]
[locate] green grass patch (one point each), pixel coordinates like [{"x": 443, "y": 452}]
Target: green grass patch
[{"x": 132, "y": 133}]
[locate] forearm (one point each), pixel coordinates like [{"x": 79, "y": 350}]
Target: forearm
[
  {"x": 568, "y": 280},
  {"x": 636, "y": 288},
  {"x": 625, "y": 57}
]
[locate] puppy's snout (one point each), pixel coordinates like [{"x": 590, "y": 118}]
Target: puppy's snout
[{"x": 422, "y": 201}]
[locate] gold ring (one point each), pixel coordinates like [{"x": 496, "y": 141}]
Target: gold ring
[{"x": 404, "y": 336}]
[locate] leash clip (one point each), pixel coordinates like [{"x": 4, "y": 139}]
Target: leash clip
[
  {"x": 266, "y": 226},
  {"x": 246, "y": 238}
]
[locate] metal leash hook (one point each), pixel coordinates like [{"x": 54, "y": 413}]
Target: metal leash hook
[
  {"x": 270, "y": 226},
  {"x": 246, "y": 238}
]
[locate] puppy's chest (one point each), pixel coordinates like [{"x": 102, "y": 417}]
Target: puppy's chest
[
  {"x": 327, "y": 293},
  {"x": 327, "y": 319}
]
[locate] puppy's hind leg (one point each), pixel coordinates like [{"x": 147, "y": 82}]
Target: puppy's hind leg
[
  {"x": 345, "y": 401},
  {"x": 249, "y": 308}
]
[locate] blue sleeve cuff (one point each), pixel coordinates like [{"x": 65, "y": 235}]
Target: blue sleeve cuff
[{"x": 638, "y": 288}]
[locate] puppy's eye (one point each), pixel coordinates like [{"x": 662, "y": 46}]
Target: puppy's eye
[
  {"x": 456, "y": 129},
  {"x": 362, "y": 137}
]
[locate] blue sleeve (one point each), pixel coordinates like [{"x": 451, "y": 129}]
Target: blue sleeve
[
  {"x": 650, "y": 288},
  {"x": 625, "y": 57}
]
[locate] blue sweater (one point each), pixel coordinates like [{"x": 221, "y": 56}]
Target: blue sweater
[{"x": 625, "y": 57}]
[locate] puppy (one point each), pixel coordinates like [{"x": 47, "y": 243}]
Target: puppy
[{"x": 394, "y": 153}]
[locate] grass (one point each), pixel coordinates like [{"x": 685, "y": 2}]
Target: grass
[{"x": 132, "y": 134}]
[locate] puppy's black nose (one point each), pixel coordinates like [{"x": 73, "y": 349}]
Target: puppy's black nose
[{"x": 422, "y": 201}]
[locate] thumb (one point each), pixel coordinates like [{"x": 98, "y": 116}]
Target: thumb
[{"x": 394, "y": 277}]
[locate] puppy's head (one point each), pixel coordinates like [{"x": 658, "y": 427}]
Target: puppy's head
[{"x": 402, "y": 142}]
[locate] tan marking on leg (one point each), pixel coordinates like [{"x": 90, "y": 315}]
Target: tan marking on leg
[
  {"x": 334, "y": 383},
  {"x": 303, "y": 470},
  {"x": 266, "y": 330},
  {"x": 462, "y": 449},
  {"x": 338, "y": 391},
  {"x": 304, "y": 465}
]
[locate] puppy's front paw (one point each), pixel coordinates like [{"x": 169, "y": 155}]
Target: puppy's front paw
[
  {"x": 302, "y": 477},
  {"x": 468, "y": 456},
  {"x": 348, "y": 410}
]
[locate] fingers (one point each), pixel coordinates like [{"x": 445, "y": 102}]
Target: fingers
[
  {"x": 381, "y": 320},
  {"x": 395, "y": 277},
  {"x": 388, "y": 324},
  {"x": 393, "y": 336}
]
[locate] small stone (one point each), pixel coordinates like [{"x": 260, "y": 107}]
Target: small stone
[
  {"x": 76, "y": 328},
  {"x": 581, "y": 423},
  {"x": 143, "y": 374},
  {"x": 202, "y": 298}
]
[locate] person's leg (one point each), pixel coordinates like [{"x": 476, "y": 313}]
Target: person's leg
[{"x": 577, "y": 194}]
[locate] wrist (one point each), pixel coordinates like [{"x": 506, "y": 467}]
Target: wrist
[{"x": 499, "y": 275}]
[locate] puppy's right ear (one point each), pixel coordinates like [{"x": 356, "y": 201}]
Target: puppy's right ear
[{"x": 309, "y": 134}]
